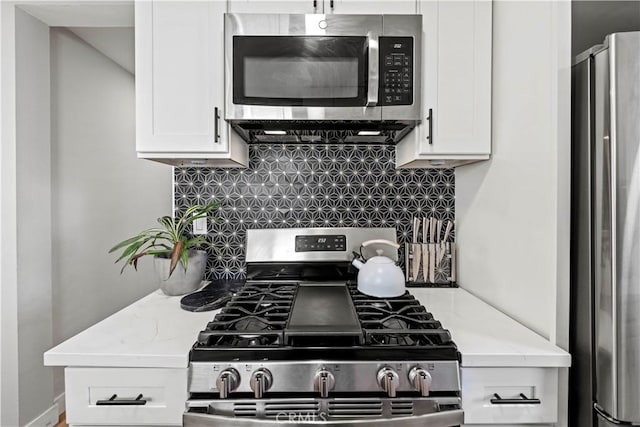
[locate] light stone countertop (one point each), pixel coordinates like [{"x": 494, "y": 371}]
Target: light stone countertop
[
  {"x": 485, "y": 336},
  {"x": 155, "y": 332}
]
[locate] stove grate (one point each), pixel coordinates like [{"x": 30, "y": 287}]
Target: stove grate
[{"x": 258, "y": 317}]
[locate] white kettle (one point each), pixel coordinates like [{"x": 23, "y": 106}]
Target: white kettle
[{"x": 379, "y": 276}]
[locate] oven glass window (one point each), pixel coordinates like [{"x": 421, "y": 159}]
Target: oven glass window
[{"x": 300, "y": 71}]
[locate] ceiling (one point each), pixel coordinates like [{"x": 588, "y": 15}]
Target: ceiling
[
  {"x": 116, "y": 43},
  {"x": 105, "y": 25},
  {"x": 97, "y": 13},
  {"x": 593, "y": 20}
]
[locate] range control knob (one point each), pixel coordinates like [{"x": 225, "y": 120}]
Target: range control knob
[
  {"x": 324, "y": 382},
  {"x": 388, "y": 380},
  {"x": 421, "y": 380},
  {"x": 260, "y": 382},
  {"x": 227, "y": 381}
]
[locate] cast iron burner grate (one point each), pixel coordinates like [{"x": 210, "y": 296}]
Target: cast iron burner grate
[
  {"x": 399, "y": 321},
  {"x": 256, "y": 324},
  {"x": 255, "y": 317}
]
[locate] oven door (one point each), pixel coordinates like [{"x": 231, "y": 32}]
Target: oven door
[
  {"x": 302, "y": 67},
  {"x": 345, "y": 411},
  {"x": 448, "y": 418}
]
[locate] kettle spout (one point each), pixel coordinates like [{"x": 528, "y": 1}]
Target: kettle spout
[{"x": 357, "y": 263}]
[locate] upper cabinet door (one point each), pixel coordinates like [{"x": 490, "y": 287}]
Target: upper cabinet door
[
  {"x": 180, "y": 84},
  {"x": 371, "y": 7},
  {"x": 360, "y": 7},
  {"x": 456, "y": 86},
  {"x": 268, "y": 6},
  {"x": 461, "y": 67},
  {"x": 174, "y": 66}
]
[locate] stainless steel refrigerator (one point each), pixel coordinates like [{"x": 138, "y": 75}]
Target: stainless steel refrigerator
[{"x": 605, "y": 234}]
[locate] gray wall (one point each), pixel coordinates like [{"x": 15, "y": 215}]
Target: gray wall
[
  {"x": 101, "y": 193},
  {"x": 33, "y": 157},
  {"x": 592, "y": 20}
]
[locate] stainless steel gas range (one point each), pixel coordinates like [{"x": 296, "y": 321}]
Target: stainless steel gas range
[{"x": 299, "y": 345}]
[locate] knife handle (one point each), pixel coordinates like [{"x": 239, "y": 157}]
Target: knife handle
[{"x": 452, "y": 273}]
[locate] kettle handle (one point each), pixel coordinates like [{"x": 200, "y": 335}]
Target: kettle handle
[{"x": 380, "y": 241}]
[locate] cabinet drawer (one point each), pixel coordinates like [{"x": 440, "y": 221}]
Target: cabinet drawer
[
  {"x": 480, "y": 384},
  {"x": 165, "y": 392}
]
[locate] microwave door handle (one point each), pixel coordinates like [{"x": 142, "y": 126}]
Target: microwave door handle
[{"x": 372, "y": 90}]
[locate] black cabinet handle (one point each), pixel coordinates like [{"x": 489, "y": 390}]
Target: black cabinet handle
[
  {"x": 522, "y": 400},
  {"x": 216, "y": 120},
  {"x": 331, "y": 4},
  {"x": 315, "y": 5},
  {"x": 113, "y": 401},
  {"x": 430, "y": 120}
]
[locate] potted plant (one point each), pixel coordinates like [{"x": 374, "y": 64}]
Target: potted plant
[{"x": 171, "y": 244}]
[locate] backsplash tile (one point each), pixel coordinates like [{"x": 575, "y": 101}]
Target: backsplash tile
[{"x": 311, "y": 186}]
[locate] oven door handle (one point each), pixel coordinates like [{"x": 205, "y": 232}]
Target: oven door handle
[
  {"x": 438, "y": 419},
  {"x": 374, "y": 70}
]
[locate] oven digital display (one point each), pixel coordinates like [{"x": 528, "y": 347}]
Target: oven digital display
[{"x": 334, "y": 243}]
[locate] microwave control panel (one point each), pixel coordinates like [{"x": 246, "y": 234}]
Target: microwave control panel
[{"x": 396, "y": 71}]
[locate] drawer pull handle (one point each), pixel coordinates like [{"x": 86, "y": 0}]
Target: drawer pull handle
[
  {"x": 523, "y": 400},
  {"x": 113, "y": 400}
]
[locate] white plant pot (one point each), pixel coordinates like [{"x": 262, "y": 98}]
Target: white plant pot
[{"x": 181, "y": 282}]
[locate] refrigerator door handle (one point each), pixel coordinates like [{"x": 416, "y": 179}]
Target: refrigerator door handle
[{"x": 609, "y": 419}]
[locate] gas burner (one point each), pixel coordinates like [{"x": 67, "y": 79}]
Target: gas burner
[
  {"x": 394, "y": 323},
  {"x": 254, "y": 340},
  {"x": 398, "y": 321},
  {"x": 250, "y": 324},
  {"x": 212, "y": 339},
  {"x": 393, "y": 339},
  {"x": 401, "y": 337}
]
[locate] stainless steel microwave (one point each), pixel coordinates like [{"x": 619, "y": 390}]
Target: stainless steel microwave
[{"x": 308, "y": 78}]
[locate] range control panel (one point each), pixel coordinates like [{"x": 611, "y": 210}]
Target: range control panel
[
  {"x": 396, "y": 70},
  {"x": 333, "y": 243}
]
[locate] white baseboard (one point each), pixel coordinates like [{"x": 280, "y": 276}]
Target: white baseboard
[
  {"x": 61, "y": 403},
  {"x": 48, "y": 418}
]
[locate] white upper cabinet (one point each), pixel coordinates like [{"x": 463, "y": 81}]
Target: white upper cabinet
[
  {"x": 180, "y": 79},
  {"x": 456, "y": 86},
  {"x": 180, "y": 85},
  {"x": 268, "y": 6},
  {"x": 361, "y": 7},
  {"x": 373, "y": 7}
]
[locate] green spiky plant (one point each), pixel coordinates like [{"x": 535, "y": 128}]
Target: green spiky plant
[{"x": 172, "y": 239}]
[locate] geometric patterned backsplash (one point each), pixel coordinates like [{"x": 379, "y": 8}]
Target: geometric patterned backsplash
[{"x": 315, "y": 185}]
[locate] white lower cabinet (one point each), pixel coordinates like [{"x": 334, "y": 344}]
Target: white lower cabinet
[
  {"x": 165, "y": 393},
  {"x": 164, "y": 390},
  {"x": 480, "y": 385}
]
